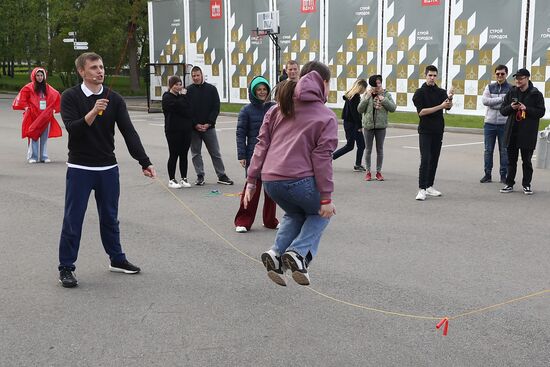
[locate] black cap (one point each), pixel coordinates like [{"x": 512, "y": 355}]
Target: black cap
[
  {"x": 522, "y": 72},
  {"x": 373, "y": 79}
]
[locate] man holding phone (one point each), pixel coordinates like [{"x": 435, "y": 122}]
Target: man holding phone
[{"x": 524, "y": 106}]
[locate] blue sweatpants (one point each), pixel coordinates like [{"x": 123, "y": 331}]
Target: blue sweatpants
[{"x": 79, "y": 185}]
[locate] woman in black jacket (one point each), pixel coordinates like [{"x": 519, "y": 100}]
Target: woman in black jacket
[
  {"x": 353, "y": 125},
  {"x": 178, "y": 126}
]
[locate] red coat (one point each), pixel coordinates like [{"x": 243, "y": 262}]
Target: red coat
[{"x": 35, "y": 120}]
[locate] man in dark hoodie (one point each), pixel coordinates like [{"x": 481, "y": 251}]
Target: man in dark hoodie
[
  {"x": 524, "y": 106},
  {"x": 430, "y": 101},
  {"x": 205, "y": 102}
]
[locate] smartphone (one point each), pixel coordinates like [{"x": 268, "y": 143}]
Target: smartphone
[{"x": 514, "y": 100}]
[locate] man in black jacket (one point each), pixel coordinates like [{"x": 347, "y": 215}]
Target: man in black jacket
[
  {"x": 90, "y": 113},
  {"x": 430, "y": 101},
  {"x": 205, "y": 102},
  {"x": 524, "y": 106}
]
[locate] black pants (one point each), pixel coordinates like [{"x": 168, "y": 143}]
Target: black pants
[
  {"x": 513, "y": 155},
  {"x": 178, "y": 147},
  {"x": 430, "y": 148},
  {"x": 352, "y": 136}
]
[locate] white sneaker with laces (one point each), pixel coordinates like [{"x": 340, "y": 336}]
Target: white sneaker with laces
[
  {"x": 47, "y": 160},
  {"x": 184, "y": 183},
  {"x": 32, "y": 160},
  {"x": 430, "y": 191},
  {"x": 421, "y": 195},
  {"x": 274, "y": 267},
  {"x": 241, "y": 229},
  {"x": 173, "y": 184}
]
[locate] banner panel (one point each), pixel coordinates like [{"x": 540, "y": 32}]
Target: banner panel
[
  {"x": 249, "y": 56},
  {"x": 415, "y": 36},
  {"x": 480, "y": 39},
  {"x": 166, "y": 43},
  {"x": 353, "y": 38},
  {"x": 300, "y": 37},
  {"x": 538, "y": 49},
  {"x": 206, "y": 44}
]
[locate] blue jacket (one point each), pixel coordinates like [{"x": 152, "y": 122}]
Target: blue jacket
[{"x": 250, "y": 120}]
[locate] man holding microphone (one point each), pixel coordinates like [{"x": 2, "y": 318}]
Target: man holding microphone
[{"x": 90, "y": 116}]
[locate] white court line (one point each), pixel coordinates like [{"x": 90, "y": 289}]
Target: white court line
[
  {"x": 388, "y": 137},
  {"x": 447, "y": 146}
]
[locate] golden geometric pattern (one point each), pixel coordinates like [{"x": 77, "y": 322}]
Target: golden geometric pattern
[
  {"x": 403, "y": 43},
  {"x": 401, "y": 99},
  {"x": 216, "y": 70},
  {"x": 235, "y": 81},
  {"x": 392, "y": 29},
  {"x": 235, "y": 58},
  {"x": 547, "y": 90},
  {"x": 332, "y": 97},
  {"x": 471, "y": 72},
  {"x": 249, "y": 58},
  {"x": 371, "y": 69},
  {"x": 352, "y": 71},
  {"x": 458, "y": 86},
  {"x": 315, "y": 46},
  {"x": 459, "y": 57},
  {"x": 243, "y": 93},
  {"x": 538, "y": 73},
  {"x": 304, "y": 33},
  {"x": 208, "y": 58},
  {"x": 332, "y": 70},
  {"x": 412, "y": 85},
  {"x": 361, "y": 30},
  {"x": 481, "y": 84},
  {"x": 242, "y": 70},
  {"x": 548, "y": 58},
  {"x": 341, "y": 84},
  {"x": 391, "y": 57},
  {"x": 241, "y": 46},
  {"x": 472, "y": 42},
  {"x": 461, "y": 27},
  {"x": 413, "y": 57},
  {"x": 470, "y": 102},
  {"x": 193, "y": 37},
  {"x": 295, "y": 46},
  {"x": 486, "y": 57},
  {"x": 402, "y": 72},
  {"x": 256, "y": 70},
  {"x": 361, "y": 58},
  {"x": 341, "y": 58},
  {"x": 235, "y": 35},
  {"x": 390, "y": 84},
  {"x": 200, "y": 47},
  {"x": 372, "y": 44},
  {"x": 351, "y": 45},
  {"x": 304, "y": 58}
]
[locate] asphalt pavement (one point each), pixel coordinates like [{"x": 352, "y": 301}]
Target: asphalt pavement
[{"x": 388, "y": 269}]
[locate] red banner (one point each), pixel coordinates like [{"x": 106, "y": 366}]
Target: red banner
[
  {"x": 431, "y": 2},
  {"x": 216, "y": 9},
  {"x": 309, "y": 6}
]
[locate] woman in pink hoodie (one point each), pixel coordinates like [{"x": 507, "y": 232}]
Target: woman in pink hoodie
[{"x": 293, "y": 158}]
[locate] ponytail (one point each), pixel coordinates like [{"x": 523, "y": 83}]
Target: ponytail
[{"x": 285, "y": 97}]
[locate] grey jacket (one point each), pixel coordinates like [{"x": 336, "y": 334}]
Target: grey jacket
[{"x": 493, "y": 95}]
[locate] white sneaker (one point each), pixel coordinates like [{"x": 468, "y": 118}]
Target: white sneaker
[
  {"x": 47, "y": 160},
  {"x": 241, "y": 229},
  {"x": 184, "y": 183},
  {"x": 274, "y": 267},
  {"x": 173, "y": 184},
  {"x": 421, "y": 195},
  {"x": 32, "y": 160},
  {"x": 432, "y": 192}
]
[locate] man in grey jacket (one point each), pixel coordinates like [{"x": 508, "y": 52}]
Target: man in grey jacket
[{"x": 493, "y": 128}]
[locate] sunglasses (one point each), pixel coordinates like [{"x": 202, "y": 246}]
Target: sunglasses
[{"x": 500, "y": 74}]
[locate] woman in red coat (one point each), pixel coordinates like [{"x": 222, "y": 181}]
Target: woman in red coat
[{"x": 39, "y": 102}]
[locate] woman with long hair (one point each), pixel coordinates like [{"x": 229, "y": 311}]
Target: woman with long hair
[
  {"x": 249, "y": 122},
  {"x": 293, "y": 158},
  {"x": 352, "y": 124},
  {"x": 40, "y": 101},
  {"x": 178, "y": 125}
]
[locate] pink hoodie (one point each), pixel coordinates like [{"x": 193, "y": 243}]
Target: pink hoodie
[{"x": 300, "y": 146}]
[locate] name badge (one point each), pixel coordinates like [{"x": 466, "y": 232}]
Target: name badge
[{"x": 43, "y": 104}]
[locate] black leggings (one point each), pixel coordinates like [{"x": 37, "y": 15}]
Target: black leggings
[{"x": 178, "y": 147}]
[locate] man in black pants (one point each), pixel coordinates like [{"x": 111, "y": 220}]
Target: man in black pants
[
  {"x": 430, "y": 101},
  {"x": 90, "y": 113},
  {"x": 524, "y": 106}
]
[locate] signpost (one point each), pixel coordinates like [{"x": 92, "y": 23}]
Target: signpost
[{"x": 76, "y": 45}]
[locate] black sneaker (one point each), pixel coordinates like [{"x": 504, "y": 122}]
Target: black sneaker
[
  {"x": 507, "y": 189},
  {"x": 359, "y": 169},
  {"x": 527, "y": 190},
  {"x": 274, "y": 267},
  {"x": 297, "y": 265},
  {"x": 224, "y": 180},
  {"x": 67, "y": 279},
  {"x": 125, "y": 267},
  {"x": 485, "y": 179},
  {"x": 199, "y": 181}
]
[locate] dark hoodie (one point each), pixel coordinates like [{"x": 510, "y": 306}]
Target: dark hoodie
[
  {"x": 427, "y": 97},
  {"x": 250, "y": 120},
  {"x": 205, "y": 102},
  {"x": 177, "y": 112},
  {"x": 349, "y": 112}
]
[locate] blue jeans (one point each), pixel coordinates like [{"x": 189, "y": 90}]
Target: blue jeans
[
  {"x": 38, "y": 149},
  {"x": 491, "y": 132},
  {"x": 302, "y": 226},
  {"x": 80, "y": 184}
]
